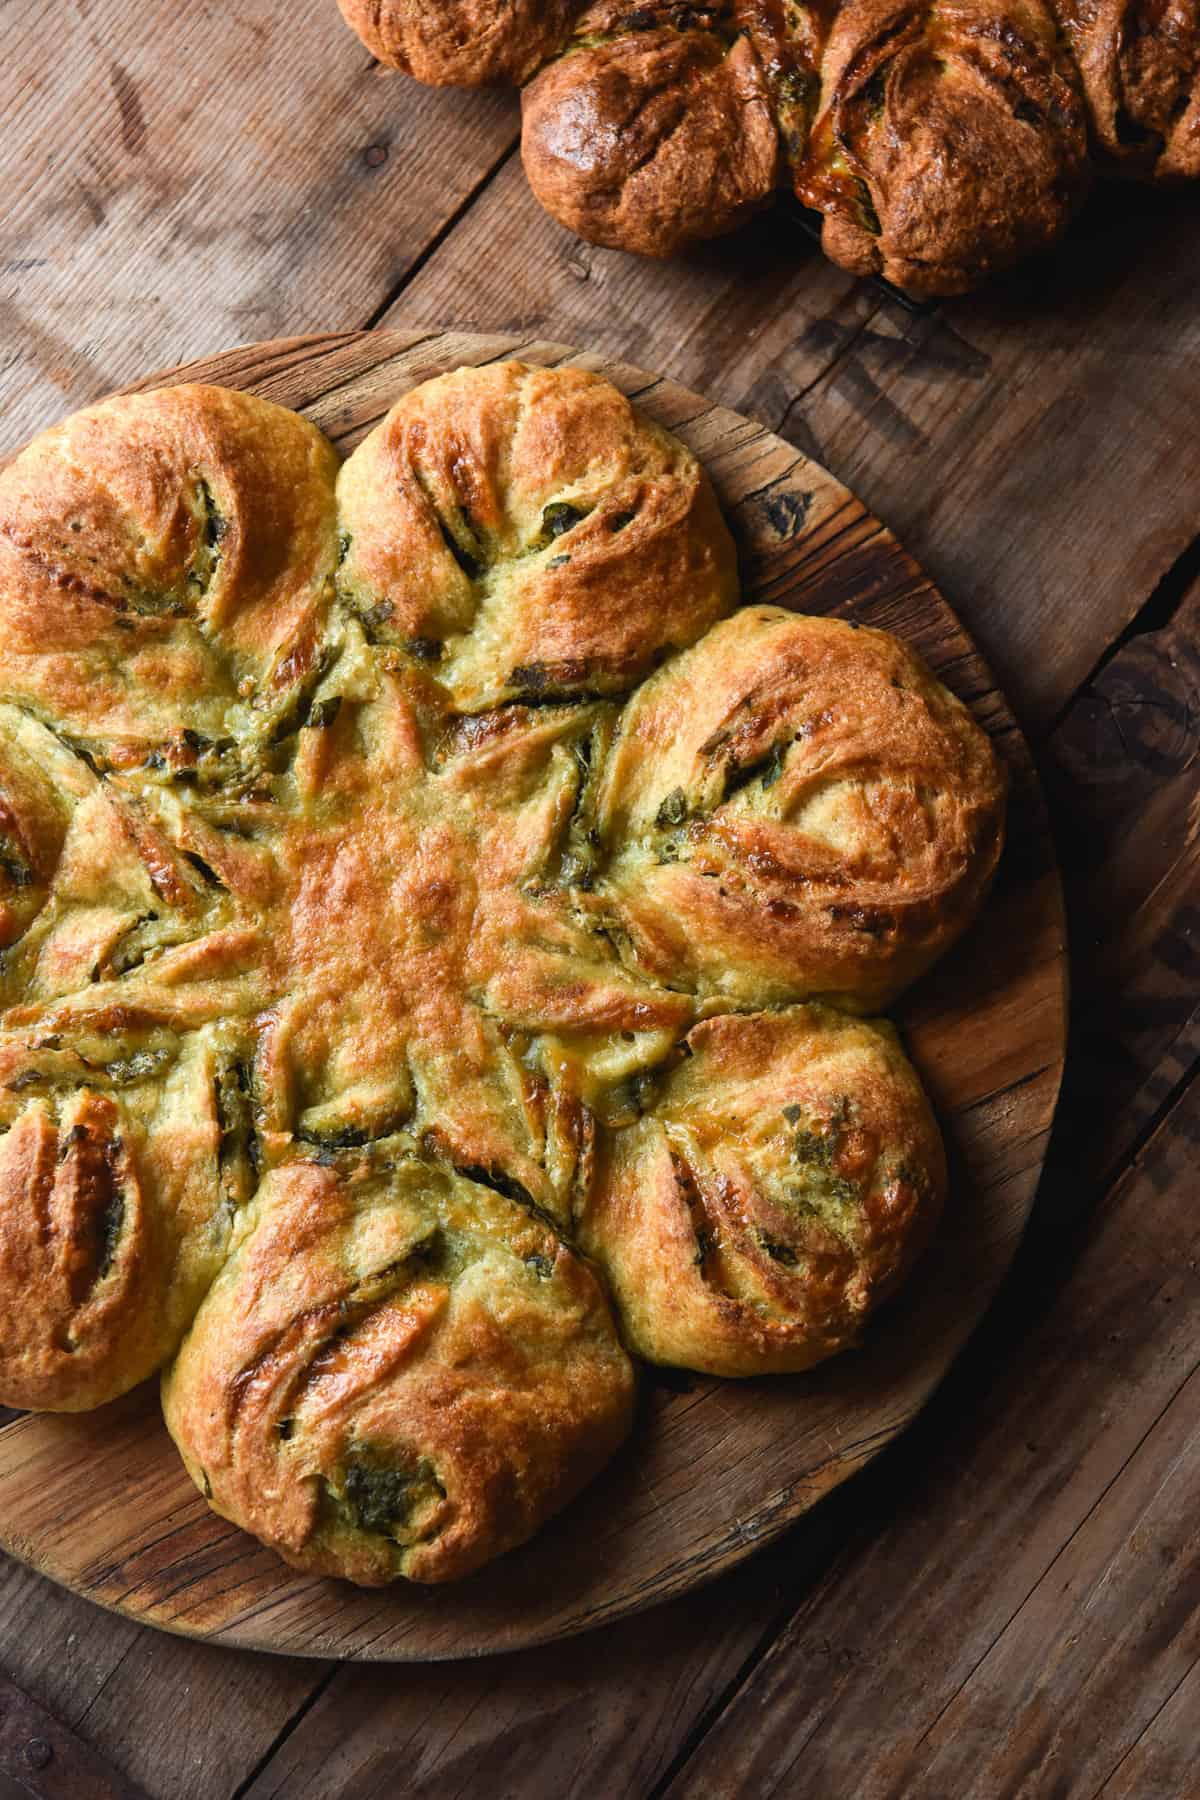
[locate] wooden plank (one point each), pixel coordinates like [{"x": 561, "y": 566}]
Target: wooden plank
[
  {"x": 1162, "y": 1763},
  {"x": 183, "y": 178},
  {"x": 183, "y": 1721},
  {"x": 596, "y": 1715},
  {"x": 1112, "y": 1628},
  {"x": 1121, "y": 766},
  {"x": 1035, "y": 446},
  {"x": 752, "y": 321},
  {"x": 42, "y": 1760}
]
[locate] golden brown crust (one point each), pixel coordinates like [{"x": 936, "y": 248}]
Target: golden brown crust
[
  {"x": 397, "y": 1373},
  {"x": 796, "y": 808},
  {"x": 354, "y": 952},
  {"x": 528, "y": 534},
  {"x": 34, "y": 819},
  {"x": 778, "y": 1188},
  {"x": 461, "y": 43},
  {"x": 165, "y": 564},
  {"x": 1140, "y": 63},
  {"x": 114, "y": 1216},
  {"x": 951, "y": 140},
  {"x": 481, "y": 998},
  {"x": 653, "y": 138}
]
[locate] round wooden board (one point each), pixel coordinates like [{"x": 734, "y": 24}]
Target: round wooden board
[{"x": 101, "y": 1503}]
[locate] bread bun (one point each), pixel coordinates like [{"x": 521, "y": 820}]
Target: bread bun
[
  {"x": 1140, "y": 65},
  {"x": 949, "y": 144},
  {"x": 526, "y": 535},
  {"x": 652, "y": 138},
  {"x": 166, "y": 564},
  {"x": 116, "y": 1201},
  {"x": 397, "y": 1373},
  {"x": 795, "y": 807},
  {"x": 776, "y": 1190},
  {"x": 461, "y": 43}
]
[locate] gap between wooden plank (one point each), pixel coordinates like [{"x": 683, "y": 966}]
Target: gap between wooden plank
[
  {"x": 286, "y": 1730},
  {"x": 1146, "y": 1729},
  {"x": 1157, "y": 1119},
  {"x": 439, "y": 238},
  {"x": 846, "y": 349},
  {"x": 1080, "y": 1525},
  {"x": 712, "y": 1712},
  {"x": 1157, "y": 611}
]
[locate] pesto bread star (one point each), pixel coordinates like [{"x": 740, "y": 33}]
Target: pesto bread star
[{"x": 395, "y": 862}]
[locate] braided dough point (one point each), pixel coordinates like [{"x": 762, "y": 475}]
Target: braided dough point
[
  {"x": 651, "y": 140},
  {"x": 779, "y": 1188},
  {"x": 461, "y": 43},
  {"x": 397, "y": 1373},
  {"x": 166, "y": 564},
  {"x": 951, "y": 141},
  {"x": 796, "y": 808},
  {"x": 528, "y": 535}
]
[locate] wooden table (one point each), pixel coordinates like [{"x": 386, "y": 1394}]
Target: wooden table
[{"x": 1007, "y": 1603}]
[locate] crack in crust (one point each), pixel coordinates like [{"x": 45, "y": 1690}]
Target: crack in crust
[
  {"x": 350, "y": 992},
  {"x": 943, "y": 140}
]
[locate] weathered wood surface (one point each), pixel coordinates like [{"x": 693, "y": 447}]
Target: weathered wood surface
[
  {"x": 40, "y": 1758},
  {"x": 714, "y": 1470},
  {"x": 1038, "y": 448}
]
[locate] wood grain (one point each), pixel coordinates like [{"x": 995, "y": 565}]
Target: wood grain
[
  {"x": 161, "y": 1709},
  {"x": 40, "y": 1759},
  {"x": 235, "y": 172},
  {"x": 1122, "y": 765},
  {"x": 715, "y": 1470}
]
